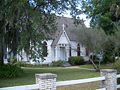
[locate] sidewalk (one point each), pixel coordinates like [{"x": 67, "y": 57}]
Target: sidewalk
[
  {"x": 80, "y": 68},
  {"x": 71, "y": 67}
]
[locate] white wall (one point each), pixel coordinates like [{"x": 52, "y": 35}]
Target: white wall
[
  {"x": 82, "y": 50},
  {"x": 50, "y": 55},
  {"x": 73, "y": 48},
  {"x": 51, "y": 50},
  {"x": 63, "y": 43},
  {"x": 63, "y": 39}
]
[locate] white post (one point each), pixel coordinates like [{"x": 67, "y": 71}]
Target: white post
[
  {"x": 110, "y": 82},
  {"x": 46, "y": 81}
]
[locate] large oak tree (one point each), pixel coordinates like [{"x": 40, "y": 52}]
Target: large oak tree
[{"x": 25, "y": 23}]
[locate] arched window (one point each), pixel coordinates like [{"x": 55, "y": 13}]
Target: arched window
[
  {"x": 78, "y": 49},
  {"x": 87, "y": 52},
  {"x": 70, "y": 51},
  {"x": 44, "y": 49}
]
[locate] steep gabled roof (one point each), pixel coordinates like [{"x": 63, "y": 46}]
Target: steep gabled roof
[
  {"x": 70, "y": 29},
  {"x": 57, "y": 37}
]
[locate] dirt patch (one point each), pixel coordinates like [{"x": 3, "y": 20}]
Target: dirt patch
[{"x": 86, "y": 86}]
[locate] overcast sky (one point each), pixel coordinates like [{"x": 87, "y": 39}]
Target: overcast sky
[
  {"x": 82, "y": 16},
  {"x": 67, "y": 14}
]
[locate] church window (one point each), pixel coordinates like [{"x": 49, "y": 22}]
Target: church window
[
  {"x": 70, "y": 51},
  {"x": 87, "y": 52},
  {"x": 44, "y": 49},
  {"x": 78, "y": 49}
]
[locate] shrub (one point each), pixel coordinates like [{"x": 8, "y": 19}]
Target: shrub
[
  {"x": 108, "y": 58},
  {"x": 21, "y": 63},
  {"x": 109, "y": 51},
  {"x": 10, "y": 71},
  {"x": 12, "y": 60},
  {"x": 116, "y": 65},
  {"x": 76, "y": 60},
  {"x": 24, "y": 64},
  {"x": 58, "y": 63}
]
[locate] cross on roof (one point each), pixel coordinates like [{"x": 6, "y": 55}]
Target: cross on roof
[{"x": 63, "y": 26}]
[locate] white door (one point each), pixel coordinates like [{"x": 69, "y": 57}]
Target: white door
[{"x": 62, "y": 53}]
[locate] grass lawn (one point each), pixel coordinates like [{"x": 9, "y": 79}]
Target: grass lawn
[
  {"x": 63, "y": 74},
  {"x": 102, "y": 66}
]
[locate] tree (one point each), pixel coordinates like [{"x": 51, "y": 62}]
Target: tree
[
  {"x": 109, "y": 50},
  {"x": 25, "y": 23},
  {"x": 103, "y": 13},
  {"x": 93, "y": 40}
]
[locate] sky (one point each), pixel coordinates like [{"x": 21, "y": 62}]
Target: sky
[
  {"x": 87, "y": 21},
  {"x": 82, "y": 16},
  {"x": 67, "y": 14}
]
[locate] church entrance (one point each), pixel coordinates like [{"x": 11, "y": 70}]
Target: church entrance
[{"x": 62, "y": 53}]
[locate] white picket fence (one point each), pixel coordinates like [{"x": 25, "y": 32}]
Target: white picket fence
[
  {"x": 80, "y": 81},
  {"x": 56, "y": 84},
  {"x": 60, "y": 83}
]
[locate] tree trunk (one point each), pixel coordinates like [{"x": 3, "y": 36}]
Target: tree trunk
[
  {"x": 1, "y": 54},
  {"x": 2, "y": 49},
  {"x": 94, "y": 65},
  {"x": 2, "y": 41},
  {"x": 1, "y": 58}
]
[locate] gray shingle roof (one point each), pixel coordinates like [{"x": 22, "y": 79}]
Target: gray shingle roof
[{"x": 70, "y": 28}]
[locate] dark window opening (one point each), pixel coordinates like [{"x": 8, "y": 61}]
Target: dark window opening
[
  {"x": 87, "y": 52},
  {"x": 44, "y": 49},
  {"x": 78, "y": 50},
  {"x": 70, "y": 51}
]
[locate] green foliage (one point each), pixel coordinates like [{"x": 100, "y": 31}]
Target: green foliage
[
  {"x": 97, "y": 41},
  {"x": 107, "y": 25},
  {"x": 62, "y": 73},
  {"x": 107, "y": 58},
  {"x": 24, "y": 24},
  {"x": 10, "y": 71},
  {"x": 24, "y": 64},
  {"x": 92, "y": 39},
  {"x": 109, "y": 51},
  {"x": 76, "y": 60},
  {"x": 58, "y": 63},
  {"x": 21, "y": 64},
  {"x": 116, "y": 65},
  {"x": 103, "y": 13},
  {"x": 12, "y": 60}
]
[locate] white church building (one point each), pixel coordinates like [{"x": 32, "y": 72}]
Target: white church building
[{"x": 65, "y": 42}]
